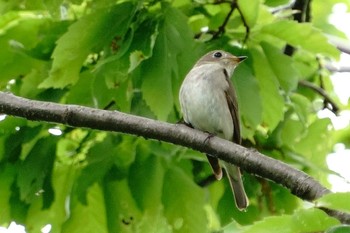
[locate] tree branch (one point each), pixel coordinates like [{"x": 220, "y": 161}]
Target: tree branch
[
  {"x": 299, "y": 183},
  {"x": 341, "y": 44},
  {"x": 323, "y": 93},
  {"x": 303, "y": 15},
  {"x": 221, "y": 29}
]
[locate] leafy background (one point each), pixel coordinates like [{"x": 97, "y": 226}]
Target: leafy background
[{"x": 132, "y": 56}]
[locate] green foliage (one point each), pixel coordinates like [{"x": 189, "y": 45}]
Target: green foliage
[
  {"x": 132, "y": 56},
  {"x": 335, "y": 201},
  {"x": 309, "y": 220}
]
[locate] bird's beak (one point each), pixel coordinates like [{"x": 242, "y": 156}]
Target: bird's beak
[
  {"x": 241, "y": 58},
  {"x": 237, "y": 60}
]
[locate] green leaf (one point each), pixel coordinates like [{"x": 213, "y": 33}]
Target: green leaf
[
  {"x": 274, "y": 3},
  {"x": 282, "y": 66},
  {"x": 272, "y": 101},
  {"x": 158, "y": 71},
  {"x": 318, "y": 135},
  {"x": 248, "y": 94},
  {"x": 62, "y": 179},
  {"x": 292, "y": 132},
  {"x": 121, "y": 208},
  {"x": 310, "y": 220},
  {"x": 19, "y": 32},
  {"x": 81, "y": 93},
  {"x": 35, "y": 172},
  {"x": 301, "y": 35},
  {"x": 339, "y": 229},
  {"x": 88, "y": 218},
  {"x": 183, "y": 203},
  {"x": 153, "y": 221},
  {"x": 100, "y": 159},
  {"x": 7, "y": 176},
  {"x": 250, "y": 10},
  {"x": 301, "y": 106},
  {"x": 87, "y": 35},
  {"x": 275, "y": 224},
  {"x": 143, "y": 42},
  {"x": 145, "y": 183},
  {"x": 337, "y": 201}
]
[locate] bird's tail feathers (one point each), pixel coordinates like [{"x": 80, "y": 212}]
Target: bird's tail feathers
[
  {"x": 235, "y": 179},
  {"x": 214, "y": 163}
]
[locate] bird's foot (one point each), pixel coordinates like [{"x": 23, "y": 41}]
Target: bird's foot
[
  {"x": 183, "y": 122},
  {"x": 210, "y": 135}
]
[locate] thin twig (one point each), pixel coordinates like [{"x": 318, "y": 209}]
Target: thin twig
[
  {"x": 247, "y": 28},
  {"x": 221, "y": 29},
  {"x": 321, "y": 92}
]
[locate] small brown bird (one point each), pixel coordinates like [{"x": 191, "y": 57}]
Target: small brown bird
[{"x": 209, "y": 103}]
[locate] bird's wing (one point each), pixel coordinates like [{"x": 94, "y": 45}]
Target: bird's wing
[{"x": 233, "y": 106}]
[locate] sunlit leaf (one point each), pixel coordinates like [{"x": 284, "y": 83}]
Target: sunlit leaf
[
  {"x": 310, "y": 220},
  {"x": 301, "y": 35},
  {"x": 337, "y": 201},
  {"x": 282, "y": 66},
  {"x": 88, "y": 218},
  {"x": 250, "y": 10},
  {"x": 158, "y": 71},
  {"x": 272, "y": 100},
  {"x": 87, "y": 35},
  {"x": 184, "y": 208},
  {"x": 249, "y": 99}
]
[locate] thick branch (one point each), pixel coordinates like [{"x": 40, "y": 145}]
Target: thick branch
[{"x": 250, "y": 160}]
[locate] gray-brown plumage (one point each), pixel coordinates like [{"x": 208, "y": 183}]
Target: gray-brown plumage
[{"x": 209, "y": 103}]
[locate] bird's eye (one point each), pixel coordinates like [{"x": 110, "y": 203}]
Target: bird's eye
[{"x": 217, "y": 55}]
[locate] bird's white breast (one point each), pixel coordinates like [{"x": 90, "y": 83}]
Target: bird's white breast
[{"x": 203, "y": 100}]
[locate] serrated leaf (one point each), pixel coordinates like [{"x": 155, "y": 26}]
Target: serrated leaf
[
  {"x": 282, "y": 66},
  {"x": 302, "y": 35},
  {"x": 158, "y": 71},
  {"x": 280, "y": 224},
  {"x": 19, "y": 32},
  {"x": 337, "y": 201},
  {"x": 312, "y": 220},
  {"x": 309, "y": 220},
  {"x": 143, "y": 42},
  {"x": 89, "y": 34},
  {"x": 272, "y": 101}
]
